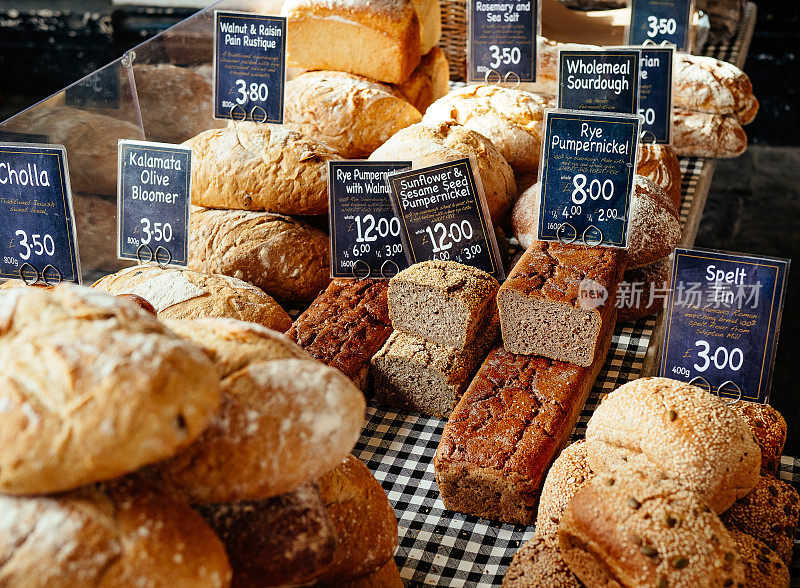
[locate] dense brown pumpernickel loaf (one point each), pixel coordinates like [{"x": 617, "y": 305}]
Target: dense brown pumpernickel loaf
[
  {"x": 762, "y": 566},
  {"x": 252, "y": 166},
  {"x": 283, "y": 256},
  {"x": 187, "y": 294},
  {"x": 349, "y": 113},
  {"x": 660, "y": 164},
  {"x": 652, "y": 284},
  {"x": 281, "y": 424},
  {"x": 442, "y": 301},
  {"x": 688, "y": 434},
  {"x": 548, "y": 305},
  {"x": 429, "y": 81},
  {"x": 626, "y": 529},
  {"x": 569, "y": 472},
  {"x": 288, "y": 540},
  {"x": 345, "y": 326},
  {"x": 539, "y": 564},
  {"x": 122, "y": 533},
  {"x": 92, "y": 388},
  {"x": 769, "y": 430},
  {"x": 700, "y": 134}
]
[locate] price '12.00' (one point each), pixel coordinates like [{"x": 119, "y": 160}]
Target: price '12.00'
[
  {"x": 456, "y": 233},
  {"x": 368, "y": 230}
]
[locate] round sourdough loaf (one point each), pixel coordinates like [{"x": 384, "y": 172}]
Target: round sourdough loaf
[
  {"x": 428, "y": 145},
  {"x": 252, "y": 166},
  {"x": 281, "y": 255},
  {"x": 652, "y": 282},
  {"x": 626, "y": 529},
  {"x": 122, "y": 533},
  {"x": 281, "y": 423},
  {"x": 234, "y": 345},
  {"x": 762, "y": 566},
  {"x": 680, "y": 430},
  {"x": 539, "y": 564},
  {"x": 92, "y": 387},
  {"x": 568, "y": 473},
  {"x": 660, "y": 164},
  {"x": 769, "y": 430},
  {"x": 511, "y": 119},
  {"x": 352, "y": 115},
  {"x": 181, "y": 294},
  {"x": 701, "y": 134}
]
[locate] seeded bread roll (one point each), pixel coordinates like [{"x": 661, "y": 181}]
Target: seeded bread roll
[
  {"x": 625, "y": 529},
  {"x": 428, "y": 145},
  {"x": 539, "y": 564},
  {"x": 187, "y": 294},
  {"x": 762, "y": 567},
  {"x": 283, "y": 256},
  {"x": 288, "y": 540},
  {"x": 651, "y": 282},
  {"x": 442, "y": 301},
  {"x": 670, "y": 426},
  {"x": 699, "y": 134},
  {"x": 660, "y": 164},
  {"x": 428, "y": 82},
  {"x": 281, "y": 423},
  {"x": 511, "y": 119},
  {"x": 122, "y": 533},
  {"x": 352, "y": 115},
  {"x": 769, "y": 513},
  {"x": 365, "y": 524},
  {"x": 251, "y": 166},
  {"x": 92, "y": 388},
  {"x": 769, "y": 430},
  {"x": 569, "y": 472}
]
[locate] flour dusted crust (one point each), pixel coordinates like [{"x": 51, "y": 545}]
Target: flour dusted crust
[
  {"x": 123, "y": 533},
  {"x": 186, "y": 294},
  {"x": 660, "y": 164},
  {"x": 349, "y": 113},
  {"x": 281, "y": 424},
  {"x": 428, "y": 82},
  {"x": 431, "y": 144},
  {"x": 91, "y": 388},
  {"x": 250, "y": 166},
  {"x": 688, "y": 434},
  {"x": 511, "y": 119},
  {"x": 700, "y": 134}
]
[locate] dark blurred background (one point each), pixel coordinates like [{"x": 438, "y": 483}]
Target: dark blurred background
[{"x": 753, "y": 205}]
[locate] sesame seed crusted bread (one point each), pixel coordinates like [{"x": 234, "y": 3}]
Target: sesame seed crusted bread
[
  {"x": 122, "y": 533},
  {"x": 442, "y": 301},
  {"x": 91, "y": 388},
  {"x": 769, "y": 430},
  {"x": 762, "y": 567},
  {"x": 623, "y": 528},
  {"x": 281, "y": 423},
  {"x": 539, "y": 564},
  {"x": 686, "y": 433},
  {"x": 769, "y": 513}
]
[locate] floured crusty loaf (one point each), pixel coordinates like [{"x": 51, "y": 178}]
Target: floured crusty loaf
[
  {"x": 699, "y": 134},
  {"x": 250, "y": 166},
  {"x": 769, "y": 431},
  {"x": 428, "y": 145},
  {"x": 185, "y": 294},
  {"x": 762, "y": 566},
  {"x": 539, "y": 564},
  {"x": 349, "y": 113},
  {"x": 122, "y": 533},
  {"x": 688, "y": 434},
  {"x": 428, "y": 82},
  {"x": 91, "y": 388},
  {"x": 283, "y": 256},
  {"x": 660, "y": 164},
  {"x": 511, "y": 119},
  {"x": 281, "y": 424}
]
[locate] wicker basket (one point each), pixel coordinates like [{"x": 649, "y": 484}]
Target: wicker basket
[{"x": 454, "y": 37}]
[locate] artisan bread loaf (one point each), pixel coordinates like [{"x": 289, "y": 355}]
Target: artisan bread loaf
[
  {"x": 699, "y": 134},
  {"x": 185, "y": 294},
  {"x": 430, "y": 24},
  {"x": 386, "y": 577},
  {"x": 428, "y": 82},
  {"x": 626, "y": 529},
  {"x": 769, "y": 430},
  {"x": 281, "y": 255},
  {"x": 686, "y": 433},
  {"x": 122, "y": 533},
  {"x": 660, "y": 164},
  {"x": 511, "y": 119},
  {"x": 428, "y": 145},
  {"x": 288, "y": 540},
  {"x": 281, "y": 423},
  {"x": 539, "y": 564},
  {"x": 92, "y": 388},
  {"x": 644, "y": 290},
  {"x": 378, "y": 39},
  {"x": 569, "y": 472},
  {"x": 349, "y": 113},
  {"x": 762, "y": 567},
  {"x": 252, "y": 166}
]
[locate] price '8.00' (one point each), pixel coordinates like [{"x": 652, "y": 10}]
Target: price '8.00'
[{"x": 596, "y": 189}]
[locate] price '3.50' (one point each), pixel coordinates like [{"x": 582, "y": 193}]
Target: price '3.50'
[{"x": 39, "y": 245}]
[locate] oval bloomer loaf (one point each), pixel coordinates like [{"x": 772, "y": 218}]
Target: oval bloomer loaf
[
  {"x": 91, "y": 388},
  {"x": 700, "y": 134}
]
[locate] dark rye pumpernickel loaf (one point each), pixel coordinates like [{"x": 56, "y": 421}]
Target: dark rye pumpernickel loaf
[
  {"x": 558, "y": 300},
  {"x": 345, "y": 326}
]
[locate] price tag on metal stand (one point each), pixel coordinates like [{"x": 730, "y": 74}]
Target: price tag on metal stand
[
  {"x": 586, "y": 177},
  {"x": 655, "y": 93},
  {"x": 37, "y": 225},
  {"x": 501, "y": 41},
  {"x": 601, "y": 80},
  {"x": 723, "y": 318},
  {"x": 365, "y": 233},
  {"x": 443, "y": 215},
  {"x": 249, "y": 66},
  {"x": 153, "y": 196},
  {"x": 661, "y": 20}
]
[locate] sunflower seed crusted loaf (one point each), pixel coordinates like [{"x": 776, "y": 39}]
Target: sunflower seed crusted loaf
[
  {"x": 769, "y": 430},
  {"x": 762, "y": 566}
]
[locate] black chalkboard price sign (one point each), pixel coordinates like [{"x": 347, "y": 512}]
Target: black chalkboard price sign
[
  {"x": 661, "y": 20},
  {"x": 723, "y": 318},
  {"x": 154, "y": 188},
  {"x": 443, "y": 215},
  {"x": 249, "y": 66},
  {"x": 365, "y": 233},
  {"x": 655, "y": 94},
  {"x": 586, "y": 177},
  {"x": 601, "y": 80},
  {"x": 37, "y": 226}
]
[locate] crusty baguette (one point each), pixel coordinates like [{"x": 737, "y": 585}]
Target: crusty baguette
[{"x": 699, "y": 134}]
